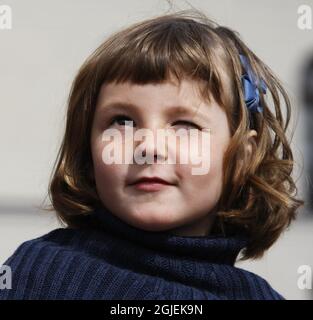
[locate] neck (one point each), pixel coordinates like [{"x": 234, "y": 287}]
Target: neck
[
  {"x": 214, "y": 248},
  {"x": 200, "y": 227}
]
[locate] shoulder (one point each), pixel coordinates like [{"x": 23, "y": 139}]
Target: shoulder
[
  {"x": 65, "y": 240},
  {"x": 38, "y": 263},
  {"x": 56, "y": 239},
  {"x": 258, "y": 287}
]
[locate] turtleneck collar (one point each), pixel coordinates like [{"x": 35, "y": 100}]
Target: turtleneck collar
[{"x": 216, "y": 249}]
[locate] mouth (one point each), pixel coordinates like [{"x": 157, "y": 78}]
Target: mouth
[{"x": 151, "y": 184}]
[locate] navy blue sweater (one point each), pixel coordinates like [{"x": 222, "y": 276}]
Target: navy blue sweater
[{"x": 119, "y": 261}]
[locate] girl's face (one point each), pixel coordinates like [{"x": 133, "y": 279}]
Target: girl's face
[{"x": 187, "y": 205}]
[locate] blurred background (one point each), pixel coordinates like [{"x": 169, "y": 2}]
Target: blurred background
[{"x": 40, "y": 55}]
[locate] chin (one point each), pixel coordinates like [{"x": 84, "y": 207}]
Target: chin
[{"x": 152, "y": 220}]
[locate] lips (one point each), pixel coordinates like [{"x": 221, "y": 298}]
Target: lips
[
  {"x": 151, "y": 180},
  {"x": 151, "y": 184}
]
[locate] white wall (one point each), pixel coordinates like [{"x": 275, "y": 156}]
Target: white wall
[{"x": 38, "y": 60}]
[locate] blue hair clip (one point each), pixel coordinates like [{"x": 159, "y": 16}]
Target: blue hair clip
[{"x": 250, "y": 87}]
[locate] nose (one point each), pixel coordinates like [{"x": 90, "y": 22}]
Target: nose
[{"x": 151, "y": 147}]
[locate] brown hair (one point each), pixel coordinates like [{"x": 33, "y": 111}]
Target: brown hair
[{"x": 258, "y": 194}]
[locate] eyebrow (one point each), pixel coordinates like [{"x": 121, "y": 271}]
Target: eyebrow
[{"x": 171, "y": 110}]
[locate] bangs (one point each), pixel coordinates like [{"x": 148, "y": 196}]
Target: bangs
[{"x": 159, "y": 51}]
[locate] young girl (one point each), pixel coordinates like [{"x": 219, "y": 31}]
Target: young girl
[{"x": 157, "y": 230}]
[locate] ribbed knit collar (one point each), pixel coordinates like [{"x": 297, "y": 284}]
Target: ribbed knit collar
[{"x": 216, "y": 249}]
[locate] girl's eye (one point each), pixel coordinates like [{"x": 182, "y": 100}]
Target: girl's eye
[
  {"x": 119, "y": 119},
  {"x": 188, "y": 123}
]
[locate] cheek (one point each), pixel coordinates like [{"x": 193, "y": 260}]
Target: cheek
[
  {"x": 211, "y": 182},
  {"x": 217, "y": 153},
  {"x": 206, "y": 152},
  {"x": 218, "y": 149},
  {"x": 105, "y": 174},
  {"x": 194, "y": 151}
]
